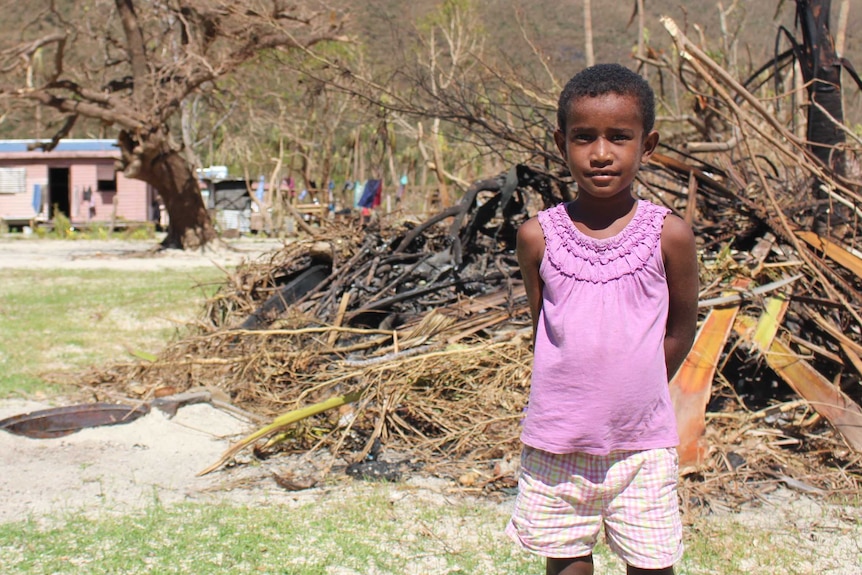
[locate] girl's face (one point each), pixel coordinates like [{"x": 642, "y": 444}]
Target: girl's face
[{"x": 604, "y": 144}]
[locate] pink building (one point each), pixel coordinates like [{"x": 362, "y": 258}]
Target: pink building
[{"x": 76, "y": 179}]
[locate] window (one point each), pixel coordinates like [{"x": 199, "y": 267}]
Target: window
[
  {"x": 106, "y": 178},
  {"x": 13, "y": 180},
  {"x": 107, "y": 185}
]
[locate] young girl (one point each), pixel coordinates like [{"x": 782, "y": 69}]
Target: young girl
[{"x": 612, "y": 286}]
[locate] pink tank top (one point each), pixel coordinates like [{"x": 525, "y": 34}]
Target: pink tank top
[{"x": 599, "y": 380}]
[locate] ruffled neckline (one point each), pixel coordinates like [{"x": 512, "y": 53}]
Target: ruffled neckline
[{"x": 577, "y": 255}]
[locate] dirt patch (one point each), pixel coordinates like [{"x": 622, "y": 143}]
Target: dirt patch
[
  {"x": 120, "y": 466},
  {"x": 124, "y": 467},
  {"x": 31, "y": 253}
]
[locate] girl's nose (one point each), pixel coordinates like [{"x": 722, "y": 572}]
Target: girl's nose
[{"x": 601, "y": 151}]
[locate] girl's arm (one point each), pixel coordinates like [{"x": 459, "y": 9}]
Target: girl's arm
[
  {"x": 680, "y": 263},
  {"x": 530, "y": 250}
]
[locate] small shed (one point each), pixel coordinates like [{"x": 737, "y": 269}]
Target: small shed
[
  {"x": 76, "y": 179},
  {"x": 230, "y": 203}
]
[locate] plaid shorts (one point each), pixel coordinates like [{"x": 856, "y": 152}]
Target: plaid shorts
[{"x": 564, "y": 500}]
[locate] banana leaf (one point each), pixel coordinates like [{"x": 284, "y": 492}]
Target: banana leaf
[
  {"x": 690, "y": 387},
  {"x": 281, "y": 422},
  {"x": 828, "y": 400},
  {"x": 833, "y": 251}
]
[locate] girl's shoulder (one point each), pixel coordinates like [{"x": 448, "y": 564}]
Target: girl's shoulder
[
  {"x": 652, "y": 209},
  {"x": 530, "y": 242},
  {"x": 531, "y": 231},
  {"x": 676, "y": 233}
]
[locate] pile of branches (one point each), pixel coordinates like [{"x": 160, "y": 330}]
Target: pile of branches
[
  {"x": 421, "y": 333},
  {"x": 425, "y": 325},
  {"x": 425, "y": 322}
]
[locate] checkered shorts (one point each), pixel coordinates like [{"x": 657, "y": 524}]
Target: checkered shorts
[{"x": 564, "y": 500}]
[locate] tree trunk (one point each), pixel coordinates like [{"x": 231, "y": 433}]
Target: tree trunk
[
  {"x": 841, "y": 32},
  {"x": 155, "y": 161},
  {"x": 588, "y": 34},
  {"x": 822, "y": 72},
  {"x": 442, "y": 185},
  {"x": 641, "y": 39},
  {"x": 824, "y": 76}
]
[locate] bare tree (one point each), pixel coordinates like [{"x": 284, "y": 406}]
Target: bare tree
[
  {"x": 451, "y": 49},
  {"x": 133, "y": 65},
  {"x": 640, "y": 12},
  {"x": 270, "y": 137},
  {"x": 490, "y": 107},
  {"x": 821, "y": 66},
  {"x": 588, "y": 34}
]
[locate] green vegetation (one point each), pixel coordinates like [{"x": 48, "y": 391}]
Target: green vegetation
[
  {"x": 52, "y": 320},
  {"x": 63, "y": 229},
  {"x": 732, "y": 548},
  {"x": 378, "y": 529},
  {"x": 370, "y": 533}
]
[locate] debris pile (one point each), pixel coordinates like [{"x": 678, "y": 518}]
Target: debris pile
[
  {"x": 422, "y": 330},
  {"x": 424, "y": 326},
  {"x": 416, "y": 334}
]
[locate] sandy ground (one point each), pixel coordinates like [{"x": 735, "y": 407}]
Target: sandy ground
[
  {"x": 129, "y": 255},
  {"x": 124, "y": 467},
  {"x": 121, "y": 466},
  {"x": 112, "y": 467}
]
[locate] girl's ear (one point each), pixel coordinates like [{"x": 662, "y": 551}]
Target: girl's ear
[
  {"x": 650, "y": 145},
  {"x": 560, "y": 140}
]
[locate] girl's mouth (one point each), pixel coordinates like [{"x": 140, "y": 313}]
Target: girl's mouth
[{"x": 602, "y": 177}]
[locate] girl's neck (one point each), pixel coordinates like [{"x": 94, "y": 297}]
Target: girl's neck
[{"x": 602, "y": 214}]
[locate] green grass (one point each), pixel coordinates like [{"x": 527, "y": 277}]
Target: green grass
[
  {"x": 58, "y": 320},
  {"x": 376, "y": 529},
  {"x": 369, "y": 533}
]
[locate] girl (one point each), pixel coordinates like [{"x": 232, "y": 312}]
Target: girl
[{"x": 612, "y": 286}]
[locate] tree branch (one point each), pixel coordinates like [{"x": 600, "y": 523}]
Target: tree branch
[
  {"x": 135, "y": 46},
  {"x": 22, "y": 53},
  {"x": 71, "y": 106}
]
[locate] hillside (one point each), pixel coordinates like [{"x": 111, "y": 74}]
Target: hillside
[
  {"x": 556, "y": 28},
  {"x": 385, "y": 31}
]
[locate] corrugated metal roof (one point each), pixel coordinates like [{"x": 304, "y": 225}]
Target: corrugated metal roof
[{"x": 9, "y": 146}]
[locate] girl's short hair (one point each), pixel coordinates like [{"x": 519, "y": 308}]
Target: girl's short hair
[{"x": 607, "y": 79}]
